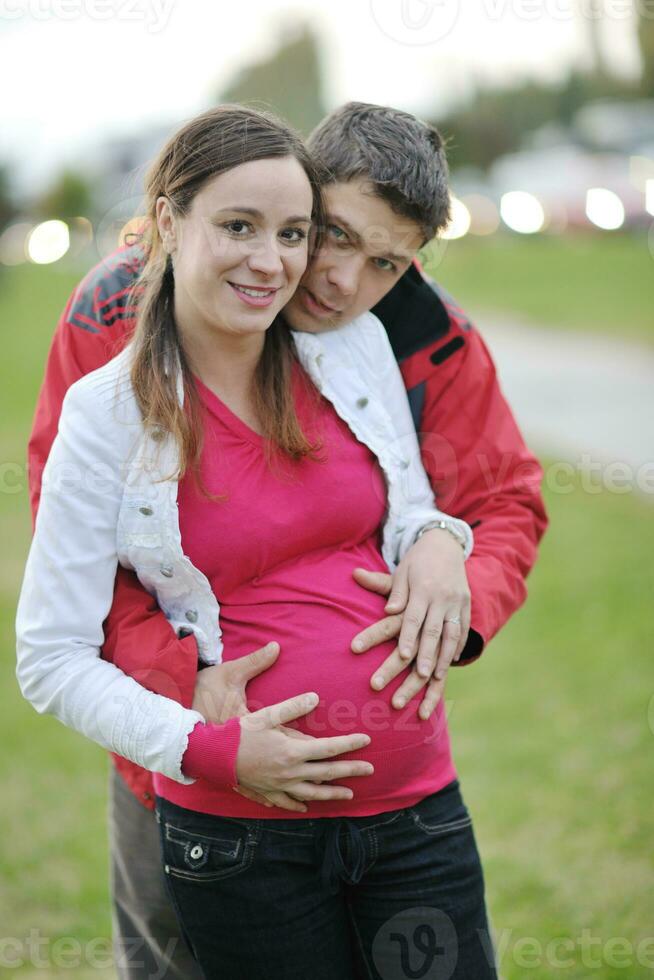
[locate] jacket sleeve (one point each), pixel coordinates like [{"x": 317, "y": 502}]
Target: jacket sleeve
[
  {"x": 67, "y": 592},
  {"x": 92, "y": 329},
  {"x": 481, "y": 471},
  {"x": 419, "y": 509}
]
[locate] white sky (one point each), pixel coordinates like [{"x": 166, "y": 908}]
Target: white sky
[{"x": 73, "y": 72}]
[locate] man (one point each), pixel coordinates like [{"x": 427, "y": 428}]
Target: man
[{"x": 386, "y": 194}]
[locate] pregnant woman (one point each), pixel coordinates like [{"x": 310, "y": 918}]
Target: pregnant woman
[{"x": 243, "y": 472}]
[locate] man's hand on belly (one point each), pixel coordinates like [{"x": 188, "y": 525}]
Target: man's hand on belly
[
  {"x": 220, "y": 689},
  {"x": 428, "y": 595}
]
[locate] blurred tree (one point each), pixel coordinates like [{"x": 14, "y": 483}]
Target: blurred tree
[
  {"x": 69, "y": 196},
  {"x": 591, "y": 12},
  {"x": 7, "y": 205},
  {"x": 495, "y": 121},
  {"x": 645, "y": 10},
  {"x": 289, "y": 81}
]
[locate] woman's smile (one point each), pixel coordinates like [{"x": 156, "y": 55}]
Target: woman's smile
[{"x": 255, "y": 295}]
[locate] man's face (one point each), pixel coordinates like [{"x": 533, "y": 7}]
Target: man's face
[{"x": 366, "y": 249}]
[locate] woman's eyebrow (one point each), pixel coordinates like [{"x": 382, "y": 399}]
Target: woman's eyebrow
[
  {"x": 255, "y": 213},
  {"x": 242, "y": 209}
]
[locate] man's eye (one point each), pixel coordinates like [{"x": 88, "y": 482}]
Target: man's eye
[
  {"x": 238, "y": 227},
  {"x": 337, "y": 233},
  {"x": 385, "y": 265},
  {"x": 294, "y": 235}
]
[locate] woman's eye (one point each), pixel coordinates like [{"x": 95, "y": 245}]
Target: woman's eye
[
  {"x": 294, "y": 235},
  {"x": 237, "y": 227}
]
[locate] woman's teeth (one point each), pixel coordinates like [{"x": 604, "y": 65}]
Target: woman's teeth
[{"x": 257, "y": 293}]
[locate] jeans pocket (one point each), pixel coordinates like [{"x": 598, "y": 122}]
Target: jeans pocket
[
  {"x": 441, "y": 813},
  {"x": 200, "y": 857}
]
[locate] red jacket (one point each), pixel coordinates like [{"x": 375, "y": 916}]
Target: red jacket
[{"x": 473, "y": 452}]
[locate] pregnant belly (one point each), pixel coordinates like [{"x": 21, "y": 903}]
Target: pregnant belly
[{"x": 315, "y": 655}]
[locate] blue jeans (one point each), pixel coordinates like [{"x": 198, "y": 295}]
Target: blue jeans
[{"x": 392, "y": 896}]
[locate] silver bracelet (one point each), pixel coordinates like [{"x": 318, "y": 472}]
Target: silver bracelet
[{"x": 445, "y": 526}]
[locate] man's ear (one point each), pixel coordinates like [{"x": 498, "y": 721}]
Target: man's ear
[{"x": 166, "y": 224}]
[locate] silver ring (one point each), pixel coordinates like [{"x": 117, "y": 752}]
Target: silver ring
[{"x": 455, "y": 619}]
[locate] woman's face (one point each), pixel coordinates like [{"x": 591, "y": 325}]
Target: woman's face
[{"x": 239, "y": 252}]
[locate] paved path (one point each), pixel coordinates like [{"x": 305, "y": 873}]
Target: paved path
[{"x": 576, "y": 394}]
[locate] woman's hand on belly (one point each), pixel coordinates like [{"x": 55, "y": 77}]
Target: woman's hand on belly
[
  {"x": 272, "y": 767},
  {"x": 287, "y": 767}
]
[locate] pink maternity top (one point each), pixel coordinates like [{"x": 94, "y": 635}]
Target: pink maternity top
[{"x": 279, "y": 547}]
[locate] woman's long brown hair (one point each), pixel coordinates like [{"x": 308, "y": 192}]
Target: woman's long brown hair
[{"x": 210, "y": 144}]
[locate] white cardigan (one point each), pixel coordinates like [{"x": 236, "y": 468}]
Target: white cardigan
[{"x": 108, "y": 498}]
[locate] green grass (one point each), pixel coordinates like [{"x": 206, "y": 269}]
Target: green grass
[
  {"x": 601, "y": 283},
  {"x": 553, "y": 732},
  {"x": 53, "y": 869}
]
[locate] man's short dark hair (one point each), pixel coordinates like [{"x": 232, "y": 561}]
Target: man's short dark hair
[{"x": 402, "y": 157}]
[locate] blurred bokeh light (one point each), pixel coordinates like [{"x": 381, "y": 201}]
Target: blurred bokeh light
[
  {"x": 604, "y": 208},
  {"x": 460, "y": 220},
  {"x": 48, "y": 242},
  {"x": 522, "y": 212}
]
